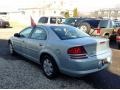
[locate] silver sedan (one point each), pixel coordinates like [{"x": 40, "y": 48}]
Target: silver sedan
[{"x": 62, "y": 48}]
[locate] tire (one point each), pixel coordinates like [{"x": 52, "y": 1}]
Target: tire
[
  {"x": 49, "y": 67},
  {"x": 85, "y": 27},
  {"x": 106, "y": 36},
  {"x": 11, "y": 49},
  {"x": 118, "y": 45},
  {"x": 4, "y": 26},
  {"x": 7, "y": 25}
]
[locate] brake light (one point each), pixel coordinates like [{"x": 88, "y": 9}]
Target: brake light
[
  {"x": 97, "y": 30},
  {"x": 77, "y": 52}
]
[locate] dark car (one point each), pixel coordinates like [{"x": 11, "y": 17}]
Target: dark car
[
  {"x": 118, "y": 38},
  {"x": 4, "y": 23},
  {"x": 92, "y": 26}
]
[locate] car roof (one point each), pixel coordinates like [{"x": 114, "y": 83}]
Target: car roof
[
  {"x": 48, "y": 25},
  {"x": 53, "y": 16}
]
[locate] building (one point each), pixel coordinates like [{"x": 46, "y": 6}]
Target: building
[
  {"x": 49, "y": 8},
  {"x": 111, "y": 13}
]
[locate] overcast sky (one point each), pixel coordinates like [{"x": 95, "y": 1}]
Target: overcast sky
[{"x": 83, "y": 5}]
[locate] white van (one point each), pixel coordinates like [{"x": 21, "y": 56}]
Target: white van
[{"x": 51, "y": 20}]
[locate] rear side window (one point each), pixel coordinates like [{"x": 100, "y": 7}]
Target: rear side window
[
  {"x": 103, "y": 23},
  {"x": 68, "y": 32},
  {"x": 43, "y": 20},
  {"x": 39, "y": 34},
  {"x": 52, "y": 20}
]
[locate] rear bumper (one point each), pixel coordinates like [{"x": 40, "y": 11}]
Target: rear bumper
[
  {"x": 82, "y": 73},
  {"x": 93, "y": 64}
]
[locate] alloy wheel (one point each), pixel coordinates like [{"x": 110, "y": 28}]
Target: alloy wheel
[{"x": 48, "y": 67}]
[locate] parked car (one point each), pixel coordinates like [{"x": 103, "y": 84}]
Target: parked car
[
  {"x": 4, "y": 23},
  {"x": 118, "y": 38},
  {"x": 93, "y": 26},
  {"x": 51, "y": 20},
  {"x": 62, "y": 48},
  {"x": 116, "y": 31}
]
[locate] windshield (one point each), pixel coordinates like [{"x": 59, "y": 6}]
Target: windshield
[
  {"x": 69, "y": 20},
  {"x": 68, "y": 32}
]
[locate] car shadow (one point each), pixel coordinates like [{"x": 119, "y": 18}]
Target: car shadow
[
  {"x": 6, "y": 27},
  {"x": 113, "y": 45},
  {"x": 103, "y": 80}
]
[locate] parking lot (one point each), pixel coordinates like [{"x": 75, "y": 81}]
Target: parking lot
[{"x": 18, "y": 72}]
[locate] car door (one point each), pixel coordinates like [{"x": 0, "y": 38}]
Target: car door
[
  {"x": 36, "y": 42},
  {"x": 19, "y": 42}
]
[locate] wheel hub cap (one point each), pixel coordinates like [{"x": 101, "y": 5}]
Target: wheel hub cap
[{"x": 48, "y": 68}]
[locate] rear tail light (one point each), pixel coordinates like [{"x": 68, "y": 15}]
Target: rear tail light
[
  {"x": 98, "y": 30},
  {"x": 77, "y": 52}
]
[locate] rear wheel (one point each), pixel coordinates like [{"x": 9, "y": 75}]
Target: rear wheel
[
  {"x": 107, "y": 35},
  {"x": 49, "y": 67},
  {"x": 85, "y": 27}
]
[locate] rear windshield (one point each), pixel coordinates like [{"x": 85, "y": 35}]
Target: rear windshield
[{"x": 68, "y": 32}]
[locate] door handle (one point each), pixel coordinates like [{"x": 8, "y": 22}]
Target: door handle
[{"x": 40, "y": 45}]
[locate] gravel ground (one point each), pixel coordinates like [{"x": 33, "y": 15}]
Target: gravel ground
[{"x": 20, "y": 73}]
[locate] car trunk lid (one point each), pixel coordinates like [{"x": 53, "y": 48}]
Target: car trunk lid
[{"x": 92, "y": 45}]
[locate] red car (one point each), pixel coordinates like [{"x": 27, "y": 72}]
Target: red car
[{"x": 4, "y": 23}]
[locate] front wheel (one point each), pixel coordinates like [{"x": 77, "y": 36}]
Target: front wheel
[
  {"x": 11, "y": 50},
  {"x": 49, "y": 67}
]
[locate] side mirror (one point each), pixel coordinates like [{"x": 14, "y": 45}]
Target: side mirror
[{"x": 16, "y": 35}]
